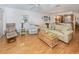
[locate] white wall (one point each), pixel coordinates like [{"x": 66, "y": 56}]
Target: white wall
[
  {"x": 15, "y": 16},
  {"x": 1, "y": 22}
]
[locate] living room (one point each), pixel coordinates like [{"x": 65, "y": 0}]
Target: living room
[{"x": 39, "y": 28}]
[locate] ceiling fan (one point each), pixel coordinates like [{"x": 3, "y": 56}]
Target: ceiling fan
[{"x": 35, "y": 6}]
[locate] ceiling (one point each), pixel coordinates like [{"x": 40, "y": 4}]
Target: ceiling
[{"x": 46, "y": 8}]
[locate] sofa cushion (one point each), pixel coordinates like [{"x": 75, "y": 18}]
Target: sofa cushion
[
  {"x": 58, "y": 27},
  {"x": 56, "y": 32},
  {"x": 67, "y": 27},
  {"x": 63, "y": 28},
  {"x": 12, "y": 34}
]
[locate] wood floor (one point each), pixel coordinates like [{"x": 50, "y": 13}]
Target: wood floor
[{"x": 30, "y": 44}]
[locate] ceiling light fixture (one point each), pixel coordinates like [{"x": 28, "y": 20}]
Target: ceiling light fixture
[
  {"x": 57, "y": 6},
  {"x": 37, "y": 5}
]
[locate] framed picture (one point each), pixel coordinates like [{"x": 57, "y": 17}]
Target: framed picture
[{"x": 46, "y": 18}]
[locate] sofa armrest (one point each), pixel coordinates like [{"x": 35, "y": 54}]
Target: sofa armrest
[{"x": 68, "y": 32}]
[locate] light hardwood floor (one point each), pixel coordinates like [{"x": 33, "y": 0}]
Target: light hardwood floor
[{"x": 30, "y": 44}]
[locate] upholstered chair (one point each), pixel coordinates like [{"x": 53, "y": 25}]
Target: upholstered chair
[
  {"x": 33, "y": 29},
  {"x": 10, "y": 32}
]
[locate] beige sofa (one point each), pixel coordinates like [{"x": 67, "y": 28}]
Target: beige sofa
[{"x": 63, "y": 31}]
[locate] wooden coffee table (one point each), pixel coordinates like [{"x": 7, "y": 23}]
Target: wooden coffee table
[{"x": 48, "y": 37}]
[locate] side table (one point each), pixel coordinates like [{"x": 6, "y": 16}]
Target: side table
[{"x": 23, "y": 31}]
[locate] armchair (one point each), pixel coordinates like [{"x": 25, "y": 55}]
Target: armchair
[
  {"x": 33, "y": 29},
  {"x": 10, "y": 32}
]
